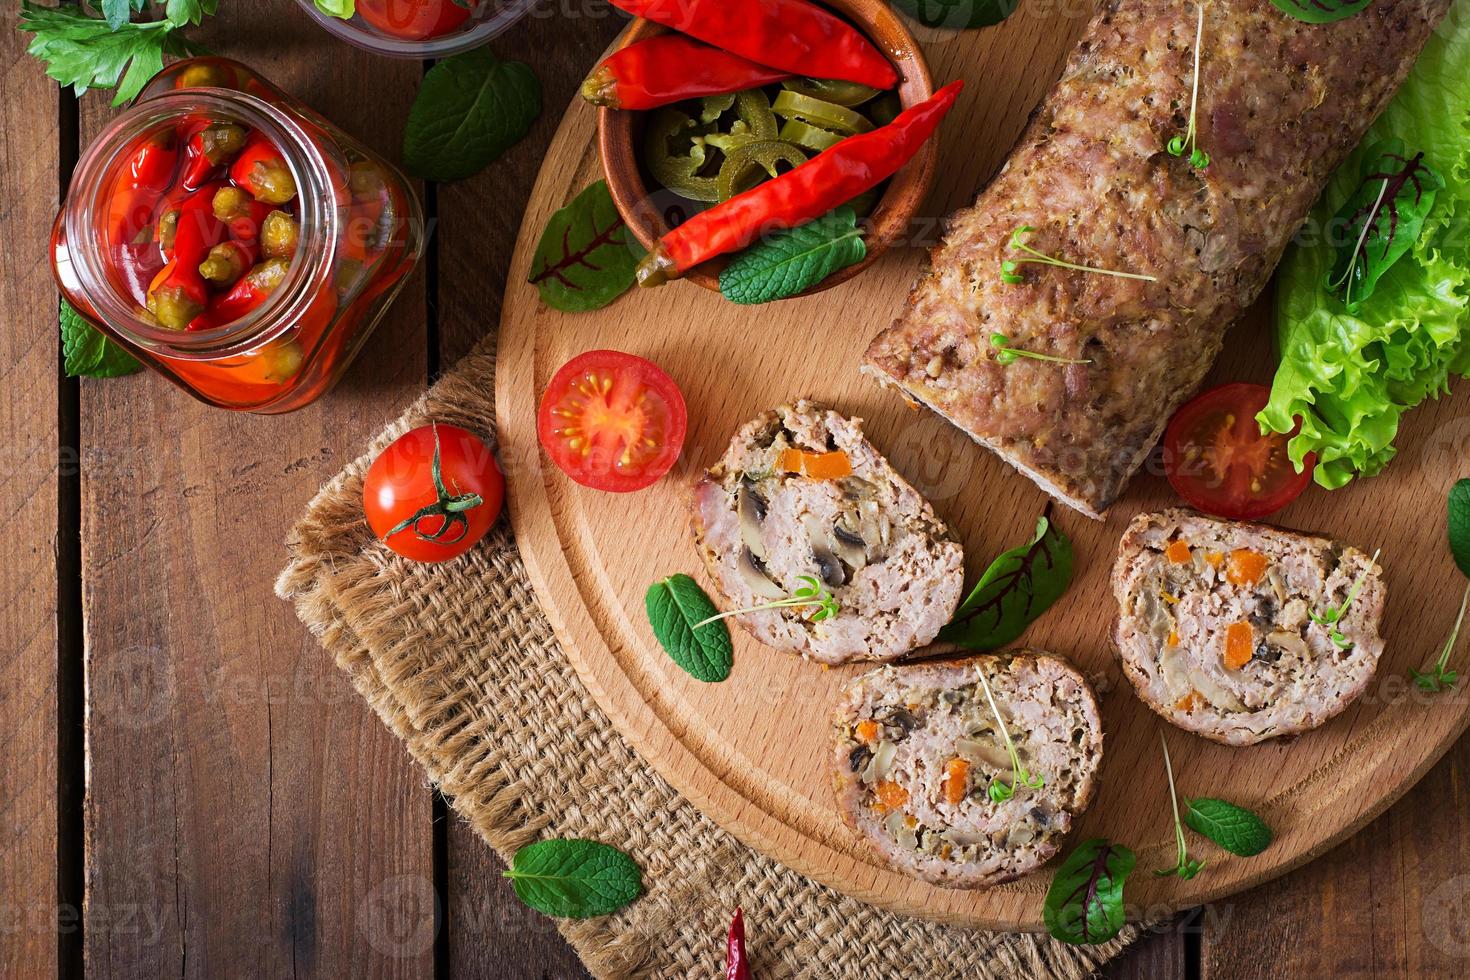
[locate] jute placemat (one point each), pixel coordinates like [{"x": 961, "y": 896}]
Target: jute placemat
[{"x": 461, "y": 664}]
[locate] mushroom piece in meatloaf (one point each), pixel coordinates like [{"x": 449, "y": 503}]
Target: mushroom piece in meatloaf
[
  {"x": 1226, "y": 628},
  {"x": 800, "y": 495},
  {"x": 918, "y": 749}
]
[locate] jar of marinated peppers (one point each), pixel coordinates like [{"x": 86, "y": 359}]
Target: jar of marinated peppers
[
  {"x": 420, "y": 28},
  {"x": 233, "y": 239}
]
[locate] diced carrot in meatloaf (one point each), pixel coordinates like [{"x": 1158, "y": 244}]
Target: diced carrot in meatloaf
[
  {"x": 867, "y": 731},
  {"x": 891, "y": 795},
  {"x": 956, "y": 772},
  {"x": 1178, "y": 552},
  {"x": 1239, "y": 645},
  {"x": 1246, "y": 567}
]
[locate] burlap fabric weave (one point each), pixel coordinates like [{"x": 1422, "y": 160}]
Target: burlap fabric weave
[{"x": 461, "y": 664}]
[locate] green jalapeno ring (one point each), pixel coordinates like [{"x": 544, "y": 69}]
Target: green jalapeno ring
[
  {"x": 762, "y": 156},
  {"x": 832, "y": 90},
  {"x": 839, "y": 119}
]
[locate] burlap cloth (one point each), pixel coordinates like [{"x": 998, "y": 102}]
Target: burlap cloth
[{"x": 461, "y": 664}]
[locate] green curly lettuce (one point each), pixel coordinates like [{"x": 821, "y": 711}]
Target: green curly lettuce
[{"x": 1350, "y": 377}]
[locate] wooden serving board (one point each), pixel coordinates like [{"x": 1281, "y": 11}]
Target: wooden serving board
[{"x": 753, "y": 752}]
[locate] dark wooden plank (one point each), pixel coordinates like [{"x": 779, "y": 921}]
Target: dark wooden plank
[
  {"x": 1160, "y": 954},
  {"x": 247, "y": 815},
  {"x": 1389, "y": 902},
  {"x": 29, "y": 495}
]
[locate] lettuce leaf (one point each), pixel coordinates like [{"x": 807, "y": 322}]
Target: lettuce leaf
[{"x": 1350, "y": 377}]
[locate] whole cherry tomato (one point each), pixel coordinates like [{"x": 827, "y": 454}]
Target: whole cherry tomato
[
  {"x": 415, "y": 20},
  {"x": 433, "y": 493}
]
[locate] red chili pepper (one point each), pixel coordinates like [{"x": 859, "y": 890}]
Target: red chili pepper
[
  {"x": 177, "y": 294},
  {"x": 737, "y": 967},
  {"x": 249, "y": 293},
  {"x": 833, "y": 177},
  {"x": 261, "y": 169},
  {"x": 139, "y": 185},
  {"x": 670, "y": 68},
  {"x": 793, "y": 35},
  {"x": 241, "y": 213}
]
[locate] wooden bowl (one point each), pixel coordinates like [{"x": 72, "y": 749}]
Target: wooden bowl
[{"x": 620, "y": 131}]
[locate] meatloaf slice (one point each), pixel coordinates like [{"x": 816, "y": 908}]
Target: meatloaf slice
[
  {"x": 917, "y": 749},
  {"x": 874, "y": 543},
  {"x": 1219, "y": 624}
]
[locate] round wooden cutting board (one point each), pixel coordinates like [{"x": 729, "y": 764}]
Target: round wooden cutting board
[{"x": 753, "y": 752}]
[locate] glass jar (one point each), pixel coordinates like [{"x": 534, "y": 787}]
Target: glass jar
[
  {"x": 421, "y": 28},
  {"x": 301, "y": 237}
]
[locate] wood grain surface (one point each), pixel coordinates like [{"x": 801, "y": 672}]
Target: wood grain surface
[
  {"x": 264, "y": 825},
  {"x": 754, "y": 752}
]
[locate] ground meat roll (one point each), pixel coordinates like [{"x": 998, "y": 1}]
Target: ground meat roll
[
  {"x": 1281, "y": 102},
  {"x": 918, "y": 748},
  {"x": 1220, "y": 624},
  {"x": 800, "y": 493}
]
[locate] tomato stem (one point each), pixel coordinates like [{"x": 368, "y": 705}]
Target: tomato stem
[{"x": 449, "y": 508}]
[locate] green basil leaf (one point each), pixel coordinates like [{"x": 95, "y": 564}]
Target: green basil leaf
[
  {"x": 337, "y": 8},
  {"x": 586, "y": 258},
  {"x": 1381, "y": 221},
  {"x": 1234, "y": 828},
  {"x": 471, "y": 109},
  {"x": 958, "y": 15},
  {"x": 1460, "y": 525},
  {"x": 1017, "y": 588},
  {"x": 1322, "y": 11},
  {"x": 1084, "y": 904},
  {"x": 794, "y": 260},
  {"x": 674, "y": 605},
  {"x": 574, "y": 879},
  {"x": 86, "y": 351}
]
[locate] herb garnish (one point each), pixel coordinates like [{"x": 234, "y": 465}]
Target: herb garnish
[
  {"x": 1010, "y": 268},
  {"x": 87, "y": 352},
  {"x": 574, "y": 879},
  {"x": 1234, "y": 828},
  {"x": 1333, "y": 616},
  {"x": 1435, "y": 677},
  {"x": 1382, "y": 219},
  {"x": 812, "y": 594},
  {"x": 1006, "y": 354},
  {"x": 958, "y": 15},
  {"x": 1198, "y": 158},
  {"x": 1084, "y": 904},
  {"x": 586, "y": 257},
  {"x": 795, "y": 260},
  {"x": 674, "y": 605},
  {"x": 470, "y": 109},
  {"x": 1322, "y": 11},
  {"x": 1017, "y": 588},
  {"x": 999, "y": 792},
  {"x": 1185, "y": 866}
]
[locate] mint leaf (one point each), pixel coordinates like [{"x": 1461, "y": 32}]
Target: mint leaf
[
  {"x": 674, "y": 605},
  {"x": 1084, "y": 904},
  {"x": 1017, "y": 588},
  {"x": 86, "y": 352},
  {"x": 958, "y": 14},
  {"x": 574, "y": 879},
  {"x": 586, "y": 258},
  {"x": 85, "y": 52},
  {"x": 1234, "y": 828},
  {"x": 794, "y": 260},
  {"x": 1322, "y": 11},
  {"x": 1460, "y": 525},
  {"x": 471, "y": 109}
]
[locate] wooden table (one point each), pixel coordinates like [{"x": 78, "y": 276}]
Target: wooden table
[{"x": 183, "y": 758}]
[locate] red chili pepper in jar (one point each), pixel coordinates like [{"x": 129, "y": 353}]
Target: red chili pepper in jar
[
  {"x": 178, "y": 294},
  {"x": 792, "y": 35},
  {"x": 208, "y": 149},
  {"x": 669, "y": 68},
  {"x": 140, "y": 183},
  {"x": 241, "y": 213},
  {"x": 262, "y": 171},
  {"x": 833, "y": 177},
  {"x": 249, "y": 293},
  {"x": 227, "y": 262},
  {"x": 737, "y": 967}
]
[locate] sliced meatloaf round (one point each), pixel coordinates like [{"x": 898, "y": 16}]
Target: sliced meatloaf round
[
  {"x": 1225, "y": 629},
  {"x": 917, "y": 749},
  {"x": 801, "y": 495}
]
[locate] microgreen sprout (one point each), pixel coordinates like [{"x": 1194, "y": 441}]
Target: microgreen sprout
[
  {"x": 1332, "y": 617},
  {"x": 1198, "y": 158},
  {"x": 1436, "y": 678},
  {"x": 1186, "y": 867},
  {"x": 999, "y": 792},
  {"x": 811, "y": 594},
  {"x": 1010, "y": 269},
  {"x": 1347, "y": 277},
  {"x": 1006, "y": 354}
]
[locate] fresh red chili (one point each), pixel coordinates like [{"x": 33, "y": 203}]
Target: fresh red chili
[
  {"x": 737, "y": 967},
  {"x": 140, "y": 184},
  {"x": 833, "y": 177},
  {"x": 792, "y": 35},
  {"x": 670, "y": 68}
]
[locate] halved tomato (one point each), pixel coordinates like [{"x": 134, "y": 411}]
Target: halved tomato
[
  {"x": 612, "y": 421},
  {"x": 1217, "y": 458}
]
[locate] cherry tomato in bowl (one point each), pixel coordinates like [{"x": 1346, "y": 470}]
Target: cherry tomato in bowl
[
  {"x": 1217, "y": 458},
  {"x": 433, "y": 493},
  {"x": 612, "y": 421}
]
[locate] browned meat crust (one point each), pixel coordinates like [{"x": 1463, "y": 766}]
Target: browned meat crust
[{"x": 1281, "y": 103}]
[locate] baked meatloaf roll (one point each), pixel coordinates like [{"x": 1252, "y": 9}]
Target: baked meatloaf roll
[
  {"x": 1281, "y": 103},
  {"x": 1243, "y": 632},
  {"x": 924, "y": 774},
  {"x": 799, "y": 496}
]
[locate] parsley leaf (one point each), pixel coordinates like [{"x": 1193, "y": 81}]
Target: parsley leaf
[
  {"x": 471, "y": 109},
  {"x": 586, "y": 258},
  {"x": 794, "y": 260},
  {"x": 574, "y": 879},
  {"x": 674, "y": 605},
  {"x": 86, "y": 352},
  {"x": 1234, "y": 828},
  {"x": 86, "y": 52}
]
